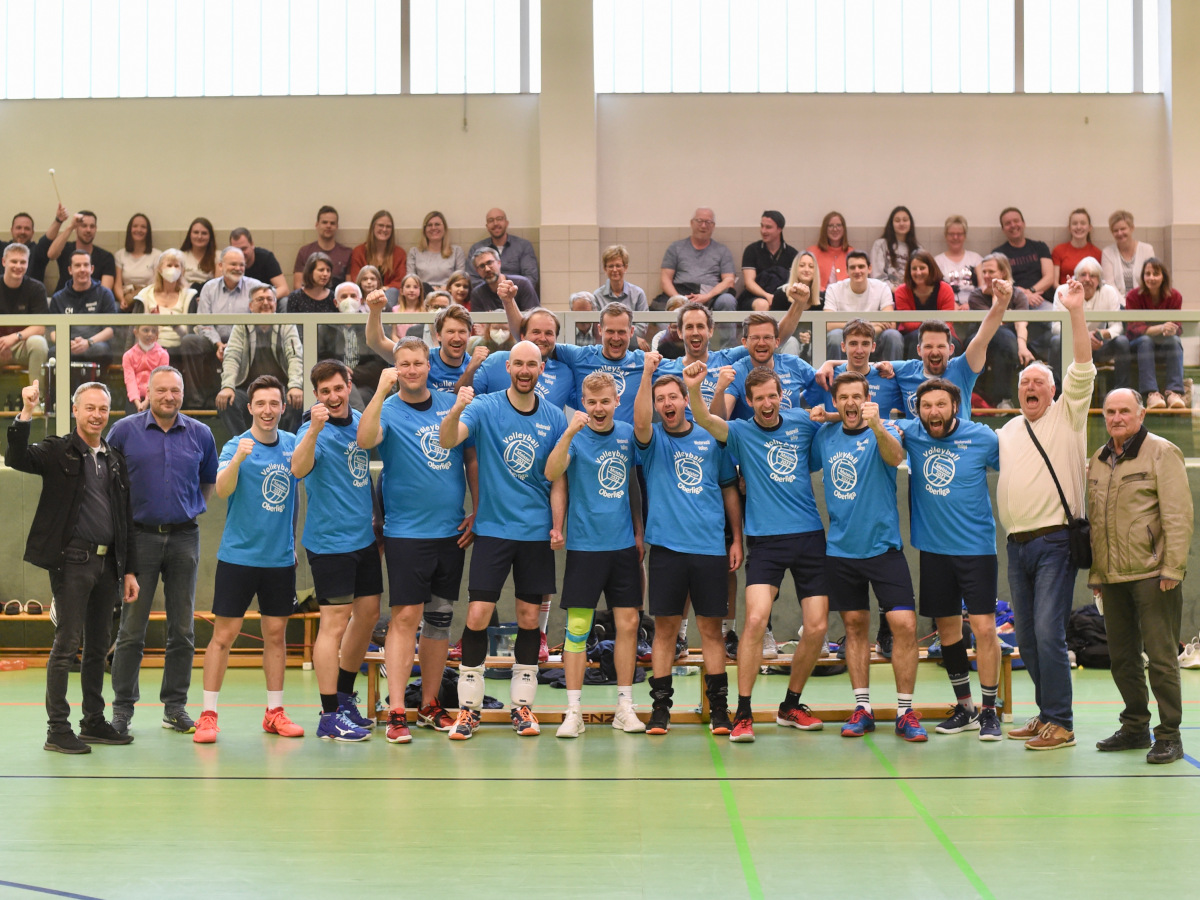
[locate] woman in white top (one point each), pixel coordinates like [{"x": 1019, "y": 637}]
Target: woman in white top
[
  {"x": 435, "y": 259},
  {"x": 167, "y": 295},
  {"x": 804, "y": 282},
  {"x": 136, "y": 261},
  {"x": 1122, "y": 262},
  {"x": 890, "y": 253},
  {"x": 199, "y": 253},
  {"x": 957, "y": 263}
]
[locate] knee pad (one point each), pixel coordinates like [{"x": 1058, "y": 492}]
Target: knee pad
[
  {"x": 579, "y": 626},
  {"x": 470, "y": 687},
  {"x": 438, "y": 613},
  {"x": 524, "y": 684}
]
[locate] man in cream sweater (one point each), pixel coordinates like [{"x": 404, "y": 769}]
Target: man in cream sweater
[{"x": 1041, "y": 578}]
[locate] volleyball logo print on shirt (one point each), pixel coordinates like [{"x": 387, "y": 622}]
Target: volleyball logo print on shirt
[
  {"x": 845, "y": 475},
  {"x": 611, "y": 473},
  {"x": 938, "y": 469},
  {"x": 359, "y": 463},
  {"x": 433, "y": 451},
  {"x": 688, "y": 470},
  {"x": 519, "y": 454},
  {"x": 782, "y": 459},
  {"x": 276, "y": 486}
]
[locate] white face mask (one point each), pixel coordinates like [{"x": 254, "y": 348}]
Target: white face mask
[
  {"x": 500, "y": 335},
  {"x": 350, "y": 304},
  {"x": 171, "y": 274},
  {"x": 147, "y": 347}
]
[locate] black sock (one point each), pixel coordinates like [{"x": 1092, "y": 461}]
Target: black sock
[
  {"x": 345, "y": 683},
  {"x": 791, "y": 700},
  {"x": 526, "y": 646},
  {"x": 329, "y": 703},
  {"x": 743, "y": 707},
  {"x": 989, "y": 695},
  {"x": 474, "y": 646},
  {"x": 661, "y": 691},
  {"x": 717, "y": 688},
  {"x": 958, "y": 670}
]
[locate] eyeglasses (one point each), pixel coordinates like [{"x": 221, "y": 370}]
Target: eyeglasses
[{"x": 707, "y": 223}]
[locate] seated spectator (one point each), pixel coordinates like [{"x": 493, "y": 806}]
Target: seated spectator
[
  {"x": 668, "y": 341},
  {"x": 1032, "y": 268},
  {"x": 484, "y": 297},
  {"x": 168, "y": 295},
  {"x": 83, "y": 224},
  {"x": 616, "y": 289},
  {"x": 349, "y": 344},
  {"x": 698, "y": 267},
  {"x": 803, "y": 286},
  {"x": 1009, "y": 348},
  {"x": 1153, "y": 342},
  {"x": 435, "y": 259},
  {"x": 890, "y": 253},
  {"x": 587, "y": 332},
  {"x": 380, "y": 250},
  {"x": 412, "y": 299},
  {"x": 1066, "y": 256},
  {"x": 956, "y": 262},
  {"x": 496, "y": 337},
  {"x": 21, "y": 295},
  {"x": 84, "y": 296},
  {"x": 23, "y": 232},
  {"x": 261, "y": 264},
  {"x": 146, "y": 355},
  {"x": 314, "y": 294},
  {"x": 369, "y": 280},
  {"x": 326, "y": 242},
  {"x": 135, "y": 262},
  {"x": 831, "y": 248},
  {"x": 228, "y": 294},
  {"x": 1123, "y": 260},
  {"x": 199, "y": 254},
  {"x": 459, "y": 286},
  {"x": 861, "y": 293},
  {"x": 765, "y": 263},
  {"x": 924, "y": 290},
  {"x": 1108, "y": 338},
  {"x": 516, "y": 254},
  {"x": 435, "y": 302},
  {"x": 254, "y": 350}
]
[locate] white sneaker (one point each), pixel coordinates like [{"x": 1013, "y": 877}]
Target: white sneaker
[
  {"x": 770, "y": 648},
  {"x": 626, "y": 720},
  {"x": 1190, "y": 657},
  {"x": 572, "y": 724}
]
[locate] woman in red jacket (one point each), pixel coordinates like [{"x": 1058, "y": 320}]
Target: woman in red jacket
[
  {"x": 380, "y": 250},
  {"x": 923, "y": 289},
  {"x": 1155, "y": 341}
]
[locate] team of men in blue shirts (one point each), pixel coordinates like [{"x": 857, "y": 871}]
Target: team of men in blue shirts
[{"x": 689, "y": 428}]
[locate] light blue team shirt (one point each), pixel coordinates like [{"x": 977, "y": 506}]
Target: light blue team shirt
[
  {"x": 948, "y": 490},
  {"x": 600, "y": 477},
  {"x": 910, "y": 374},
  {"x": 512, "y": 448},
  {"x": 443, "y": 376},
  {"x": 884, "y": 391},
  {"x": 684, "y": 476},
  {"x": 260, "y": 513},
  {"x": 556, "y": 383},
  {"x": 775, "y": 464},
  {"x": 795, "y": 374},
  {"x": 717, "y": 359},
  {"x": 860, "y": 492},
  {"x": 626, "y": 371},
  {"x": 337, "y": 518},
  {"x": 423, "y": 484}
]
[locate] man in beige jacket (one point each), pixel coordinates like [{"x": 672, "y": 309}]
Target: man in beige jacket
[{"x": 1140, "y": 507}]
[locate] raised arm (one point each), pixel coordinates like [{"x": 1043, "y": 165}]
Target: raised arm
[
  {"x": 376, "y": 339},
  {"x": 304, "y": 456},
  {"x": 643, "y": 403},
  {"x": 560, "y": 456},
  {"x": 890, "y": 448},
  {"x": 693, "y": 377},
  {"x": 452, "y": 431},
  {"x": 369, "y": 432},
  {"x": 507, "y": 292},
  {"x": 227, "y": 478},
  {"x": 1081, "y": 341},
  {"x": 976, "y": 352},
  {"x": 801, "y": 299}
]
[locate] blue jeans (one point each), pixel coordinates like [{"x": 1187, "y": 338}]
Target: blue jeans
[
  {"x": 1041, "y": 584},
  {"x": 1147, "y": 349},
  {"x": 175, "y": 558}
]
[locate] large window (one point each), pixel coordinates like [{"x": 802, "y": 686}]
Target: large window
[
  {"x": 863, "y": 46},
  {"x": 221, "y": 48}
]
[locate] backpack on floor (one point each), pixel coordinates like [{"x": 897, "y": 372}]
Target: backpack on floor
[{"x": 1088, "y": 639}]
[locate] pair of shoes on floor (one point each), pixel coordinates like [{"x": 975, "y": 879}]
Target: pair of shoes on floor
[{"x": 30, "y": 608}]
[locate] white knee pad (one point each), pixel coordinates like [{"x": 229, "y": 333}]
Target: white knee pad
[
  {"x": 470, "y": 687},
  {"x": 524, "y": 685}
]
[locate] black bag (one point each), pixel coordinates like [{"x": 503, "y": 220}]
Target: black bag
[
  {"x": 1079, "y": 531},
  {"x": 1087, "y": 637}
]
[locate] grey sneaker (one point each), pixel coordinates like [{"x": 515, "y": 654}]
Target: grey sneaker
[
  {"x": 176, "y": 720},
  {"x": 120, "y": 722},
  {"x": 770, "y": 649}
]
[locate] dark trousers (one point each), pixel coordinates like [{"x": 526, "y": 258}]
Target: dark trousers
[
  {"x": 1138, "y": 615},
  {"x": 85, "y": 594}
]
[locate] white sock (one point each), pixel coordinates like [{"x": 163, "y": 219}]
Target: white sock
[
  {"x": 274, "y": 699},
  {"x": 903, "y": 704},
  {"x": 683, "y": 629},
  {"x": 725, "y": 626},
  {"x": 862, "y": 697},
  {"x": 625, "y": 695},
  {"x": 470, "y": 686},
  {"x": 573, "y": 698},
  {"x": 210, "y": 701},
  {"x": 544, "y": 616}
]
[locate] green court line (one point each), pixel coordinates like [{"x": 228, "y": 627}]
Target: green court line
[
  {"x": 753, "y": 887},
  {"x": 930, "y": 822}
]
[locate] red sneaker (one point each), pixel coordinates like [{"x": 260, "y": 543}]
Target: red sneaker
[
  {"x": 397, "y": 728},
  {"x": 206, "y": 728},
  {"x": 543, "y": 650},
  {"x": 800, "y": 717},
  {"x": 435, "y": 716},
  {"x": 743, "y": 730},
  {"x": 275, "y": 721},
  {"x": 455, "y": 652}
]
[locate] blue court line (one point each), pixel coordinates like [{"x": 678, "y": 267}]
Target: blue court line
[
  {"x": 1192, "y": 760},
  {"x": 41, "y": 890}
]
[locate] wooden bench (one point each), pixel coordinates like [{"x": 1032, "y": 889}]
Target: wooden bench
[
  {"x": 829, "y": 713},
  {"x": 153, "y": 658}
]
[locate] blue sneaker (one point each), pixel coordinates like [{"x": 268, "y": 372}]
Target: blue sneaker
[
  {"x": 909, "y": 728},
  {"x": 335, "y": 726},
  {"x": 860, "y": 723},
  {"x": 935, "y": 649},
  {"x": 348, "y": 707}
]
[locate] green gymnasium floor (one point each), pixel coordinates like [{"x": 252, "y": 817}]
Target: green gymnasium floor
[{"x": 607, "y": 815}]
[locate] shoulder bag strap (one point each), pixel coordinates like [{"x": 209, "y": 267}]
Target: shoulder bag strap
[{"x": 1061, "y": 496}]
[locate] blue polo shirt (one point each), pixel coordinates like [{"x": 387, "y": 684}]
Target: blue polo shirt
[{"x": 166, "y": 468}]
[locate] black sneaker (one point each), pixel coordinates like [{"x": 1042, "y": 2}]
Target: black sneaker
[
  {"x": 176, "y": 720},
  {"x": 731, "y": 644},
  {"x": 65, "y": 742},
  {"x": 959, "y": 721},
  {"x": 1125, "y": 740},
  {"x": 659, "y": 721},
  {"x": 989, "y": 725},
  {"x": 719, "y": 721},
  {"x": 102, "y": 733},
  {"x": 681, "y": 647},
  {"x": 1165, "y": 752},
  {"x": 883, "y": 643}
]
